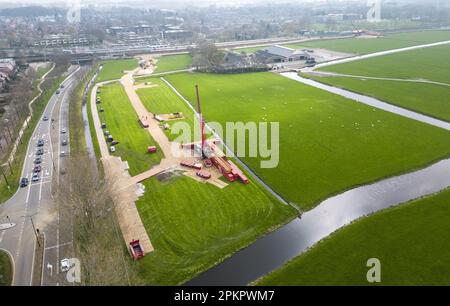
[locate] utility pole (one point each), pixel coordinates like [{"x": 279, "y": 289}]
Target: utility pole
[{"x": 36, "y": 231}]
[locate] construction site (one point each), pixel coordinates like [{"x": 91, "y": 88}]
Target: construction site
[{"x": 202, "y": 161}]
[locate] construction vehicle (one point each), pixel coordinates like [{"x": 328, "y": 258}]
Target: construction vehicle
[
  {"x": 212, "y": 155},
  {"x": 136, "y": 250},
  {"x": 191, "y": 164},
  {"x": 204, "y": 174}
]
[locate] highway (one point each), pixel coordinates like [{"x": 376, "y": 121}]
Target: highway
[{"x": 32, "y": 207}]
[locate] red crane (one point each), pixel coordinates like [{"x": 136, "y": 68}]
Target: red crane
[{"x": 202, "y": 122}]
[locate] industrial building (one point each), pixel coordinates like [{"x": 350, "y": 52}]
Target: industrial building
[{"x": 280, "y": 54}]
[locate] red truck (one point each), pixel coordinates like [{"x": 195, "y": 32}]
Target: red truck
[{"x": 136, "y": 250}]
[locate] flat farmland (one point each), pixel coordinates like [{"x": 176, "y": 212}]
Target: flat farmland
[
  {"x": 160, "y": 99},
  {"x": 193, "y": 225},
  {"x": 371, "y": 45},
  {"x": 428, "y": 99},
  {"x": 399, "y": 237},
  {"x": 360, "y": 45},
  {"x": 122, "y": 122},
  {"x": 173, "y": 62},
  {"x": 327, "y": 143},
  {"x": 113, "y": 69},
  {"x": 430, "y": 64},
  {"x": 425, "y": 64}
]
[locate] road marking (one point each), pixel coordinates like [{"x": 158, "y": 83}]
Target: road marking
[
  {"x": 40, "y": 190},
  {"x": 28, "y": 162},
  {"x": 59, "y": 245},
  {"x": 2, "y": 235},
  {"x": 28, "y": 193}
]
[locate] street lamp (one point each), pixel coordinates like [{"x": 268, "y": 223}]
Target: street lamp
[{"x": 36, "y": 231}]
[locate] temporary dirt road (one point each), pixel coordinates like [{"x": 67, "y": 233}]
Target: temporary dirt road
[{"x": 125, "y": 191}]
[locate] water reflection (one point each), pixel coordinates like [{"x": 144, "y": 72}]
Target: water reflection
[{"x": 271, "y": 251}]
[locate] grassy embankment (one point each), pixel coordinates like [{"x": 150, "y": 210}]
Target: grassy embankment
[
  {"x": 411, "y": 242},
  {"x": 6, "y": 269},
  {"x": 49, "y": 87}
]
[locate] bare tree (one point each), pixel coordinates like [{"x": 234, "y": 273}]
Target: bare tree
[
  {"x": 88, "y": 210},
  {"x": 207, "y": 55}
]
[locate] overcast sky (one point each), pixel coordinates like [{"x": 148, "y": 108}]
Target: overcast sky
[{"x": 149, "y": 2}]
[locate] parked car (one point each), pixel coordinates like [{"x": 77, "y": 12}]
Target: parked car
[
  {"x": 114, "y": 143},
  {"x": 63, "y": 131},
  {"x": 40, "y": 143},
  {"x": 40, "y": 151},
  {"x": 101, "y": 110},
  {"x": 57, "y": 92},
  {"x": 112, "y": 149},
  {"x": 24, "y": 182},
  {"x": 35, "y": 178},
  {"x": 38, "y": 160},
  {"x": 37, "y": 169},
  {"x": 62, "y": 154},
  {"x": 64, "y": 142},
  {"x": 106, "y": 133},
  {"x": 62, "y": 85},
  {"x": 45, "y": 118},
  {"x": 65, "y": 265},
  {"x": 103, "y": 125}
]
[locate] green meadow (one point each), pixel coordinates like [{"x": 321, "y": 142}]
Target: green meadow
[
  {"x": 371, "y": 45},
  {"x": 160, "y": 99},
  {"x": 360, "y": 45},
  {"x": 430, "y": 64},
  {"x": 173, "y": 62},
  {"x": 327, "y": 143},
  {"x": 429, "y": 99},
  {"x": 122, "y": 122},
  {"x": 194, "y": 225},
  {"x": 113, "y": 69},
  {"x": 410, "y": 240}
]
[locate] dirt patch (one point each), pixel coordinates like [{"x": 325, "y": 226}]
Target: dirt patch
[{"x": 169, "y": 175}]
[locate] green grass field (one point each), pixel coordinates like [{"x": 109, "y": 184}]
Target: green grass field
[
  {"x": 173, "y": 62},
  {"x": 429, "y": 63},
  {"x": 193, "y": 225},
  {"x": 411, "y": 242},
  {"x": 122, "y": 123},
  {"x": 429, "y": 99},
  {"x": 370, "y": 45},
  {"x": 113, "y": 69},
  {"x": 162, "y": 100},
  {"x": 327, "y": 143},
  {"x": 5, "y": 269}
]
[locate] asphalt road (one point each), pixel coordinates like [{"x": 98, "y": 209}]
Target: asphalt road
[{"x": 33, "y": 205}]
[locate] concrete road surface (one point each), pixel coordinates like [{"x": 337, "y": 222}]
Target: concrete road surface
[{"x": 32, "y": 207}]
